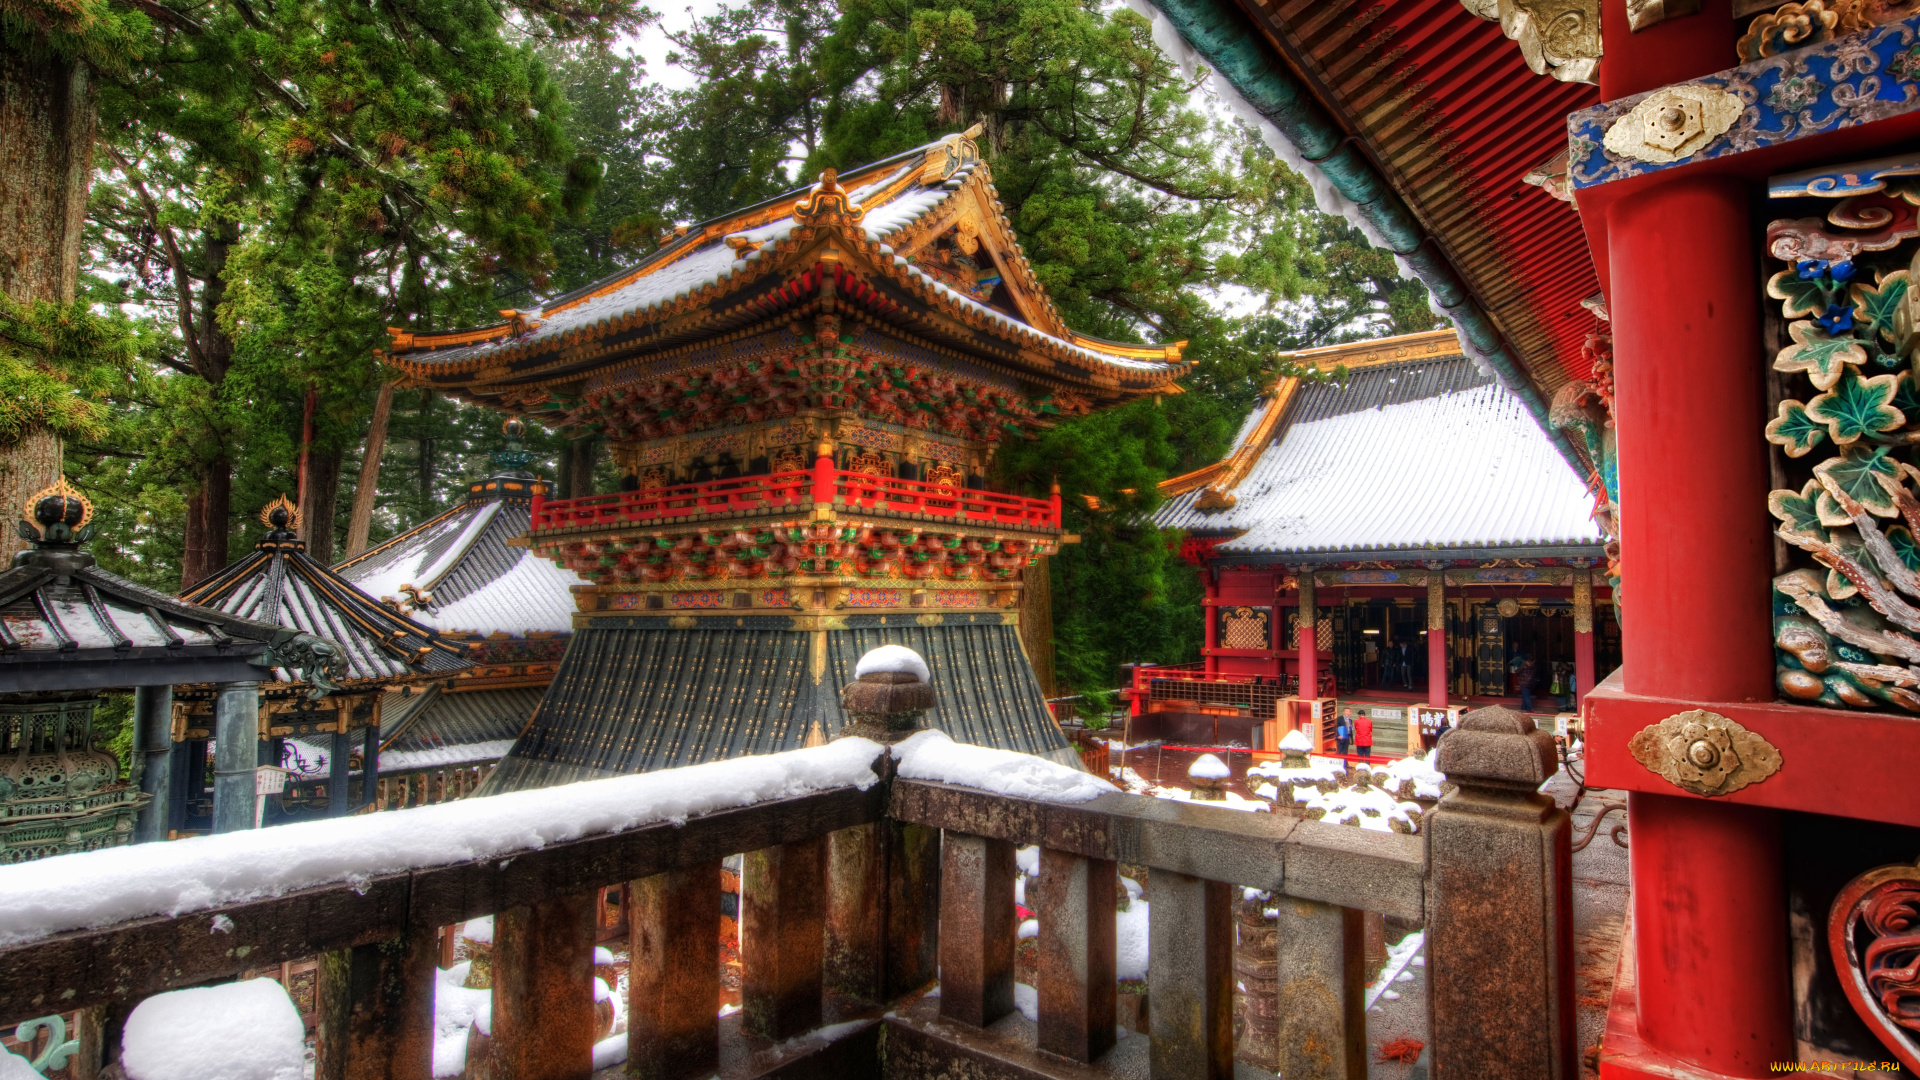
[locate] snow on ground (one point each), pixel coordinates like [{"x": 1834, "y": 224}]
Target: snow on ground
[
  {"x": 1316, "y": 770},
  {"x": 1370, "y": 808},
  {"x": 245, "y": 1030},
  {"x": 456, "y": 1009},
  {"x": 1027, "y": 1000},
  {"x": 1130, "y": 940},
  {"x": 1400, "y": 955},
  {"x": 892, "y": 658},
  {"x": 1232, "y": 800},
  {"x": 932, "y": 755},
  {"x": 610, "y": 1051},
  {"x": 112, "y": 885},
  {"x": 1419, "y": 769},
  {"x": 15, "y": 1067}
]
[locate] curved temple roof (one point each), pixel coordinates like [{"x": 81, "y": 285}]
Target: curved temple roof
[
  {"x": 278, "y": 582},
  {"x": 1416, "y": 452},
  {"x": 753, "y": 264},
  {"x": 471, "y": 579}
]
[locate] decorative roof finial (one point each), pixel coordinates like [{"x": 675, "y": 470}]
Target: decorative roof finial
[
  {"x": 281, "y": 515},
  {"x": 827, "y": 198},
  {"x": 515, "y": 457},
  {"x": 56, "y": 514}
]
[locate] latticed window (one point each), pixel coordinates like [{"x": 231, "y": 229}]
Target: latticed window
[{"x": 1245, "y": 627}]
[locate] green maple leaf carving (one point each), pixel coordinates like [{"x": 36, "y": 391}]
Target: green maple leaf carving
[
  {"x": 1829, "y": 510},
  {"x": 1800, "y": 297},
  {"x": 1905, "y": 546},
  {"x": 1877, "y": 308},
  {"x": 1795, "y": 430},
  {"x": 1855, "y": 407},
  {"x": 1823, "y": 358},
  {"x": 1857, "y": 473},
  {"x": 1797, "y": 510},
  {"x": 1906, "y": 398}
]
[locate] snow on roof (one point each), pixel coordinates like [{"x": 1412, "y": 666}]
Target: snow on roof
[
  {"x": 99, "y": 888},
  {"x": 1426, "y": 454},
  {"x": 248, "y": 1030},
  {"x": 893, "y": 658},
  {"x": 478, "y": 583},
  {"x": 680, "y": 271},
  {"x": 931, "y": 755},
  {"x": 393, "y": 761}
]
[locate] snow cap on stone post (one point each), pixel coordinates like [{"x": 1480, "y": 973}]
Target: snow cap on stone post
[{"x": 891, "y": 693}]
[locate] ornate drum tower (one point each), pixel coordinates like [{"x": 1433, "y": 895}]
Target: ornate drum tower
[{"x": 804, "y": 397}]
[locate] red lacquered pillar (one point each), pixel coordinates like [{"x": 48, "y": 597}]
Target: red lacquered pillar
[
  {"x": 1212, "y": 580},
  {"x": 1436, "y": 636},
  {"x": 823, "y": 477},
  {"x": 1709, "y": 912},
  {"x": 1308, "y": 639},
  {"x": 1582, "y": 635}
]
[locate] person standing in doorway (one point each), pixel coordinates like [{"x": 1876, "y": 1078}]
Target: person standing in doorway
[
  {"x": 1523, "y": 669},
  {"x": 1405, "y": 659},
  {"x": 1343, "y": 731},
  {"x": 1363, "y": 737},
  {"x": 1370, "y": 660}
]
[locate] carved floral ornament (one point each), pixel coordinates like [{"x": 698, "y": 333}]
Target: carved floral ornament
[
  {"x": 1560, "y": 38},
  {"x": 1705, "y": 753},
  {"x": 1847, "y": 612}
]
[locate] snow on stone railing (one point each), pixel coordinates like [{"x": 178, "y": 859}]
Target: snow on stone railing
[
  {"x": 99, "y": 888},
  {"x": 931, "y": 755}
]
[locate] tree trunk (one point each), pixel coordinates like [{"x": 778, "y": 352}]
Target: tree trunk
[
  {"x": 425, "y": 477},
  {"x": 47, "y": 122},
  {"x": 361, "y": 522},
  {"x": 583, "y": 454},
  {"x": 318, "y": 500},
  {"x": 26, "y": 466},
  {"x": 209, "y": 521}
]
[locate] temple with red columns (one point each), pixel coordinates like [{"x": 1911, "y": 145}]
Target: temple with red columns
[
  {"x": 1444, "y": 539},
  {"x": 1717, "y": 198},
  {"x": 805, "y": 397}
]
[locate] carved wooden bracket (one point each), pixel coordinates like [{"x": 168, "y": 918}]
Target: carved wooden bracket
[
  {"x": 1871, "y": 932},
  {"x": 1560, "y": 38},
  {"x": 1705, "y": 753}
]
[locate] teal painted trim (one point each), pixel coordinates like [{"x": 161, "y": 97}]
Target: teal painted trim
[{"x": 1238, "y": 51}]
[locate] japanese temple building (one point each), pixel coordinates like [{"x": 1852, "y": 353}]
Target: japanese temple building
[
  {"x": 467, "y": 574},
  {"x": 1437, "y": 529},
  {"x": 805, "y": 397},
  {"x": 1682, "y": 236},
  {"x": 69, "y": 630},
  {"x": 327, "y": 737}
]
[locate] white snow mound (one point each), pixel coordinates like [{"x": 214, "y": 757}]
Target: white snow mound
[
  {"x": 932, "y": 755},
  {"x": 237, "y": 1031},
  {"x": 1296, "y": 740},
  {"x": 893, "y": 658},
  {"x": 1208, "y": 767}
]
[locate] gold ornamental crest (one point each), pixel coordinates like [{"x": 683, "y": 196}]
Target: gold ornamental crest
[
  {"x": 1674, "y": 123},
  {"x": 1705, "y": 753}
]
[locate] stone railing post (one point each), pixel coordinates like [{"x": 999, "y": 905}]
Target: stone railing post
[
  {"x": 543, "y": 1018},
  {"x": 673, "y": 984},
  {"x": 976, "y": 928},
  {"x": 1074, "y": 898},
  {"x": 1322, "y": 991},
  {"x": 783, "y": 907},
  {"x": 883, "y": 879},
  {"x": 375, "y": 1005},
  {"x": 1500, "y": 907},
  {"x": 1190, "y": 978}
]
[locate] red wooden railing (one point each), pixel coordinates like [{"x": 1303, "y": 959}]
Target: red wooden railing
[{"x": 793, "y": 491}]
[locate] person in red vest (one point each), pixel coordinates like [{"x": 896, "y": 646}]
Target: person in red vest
[{"x": 1363, "y": 736}]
